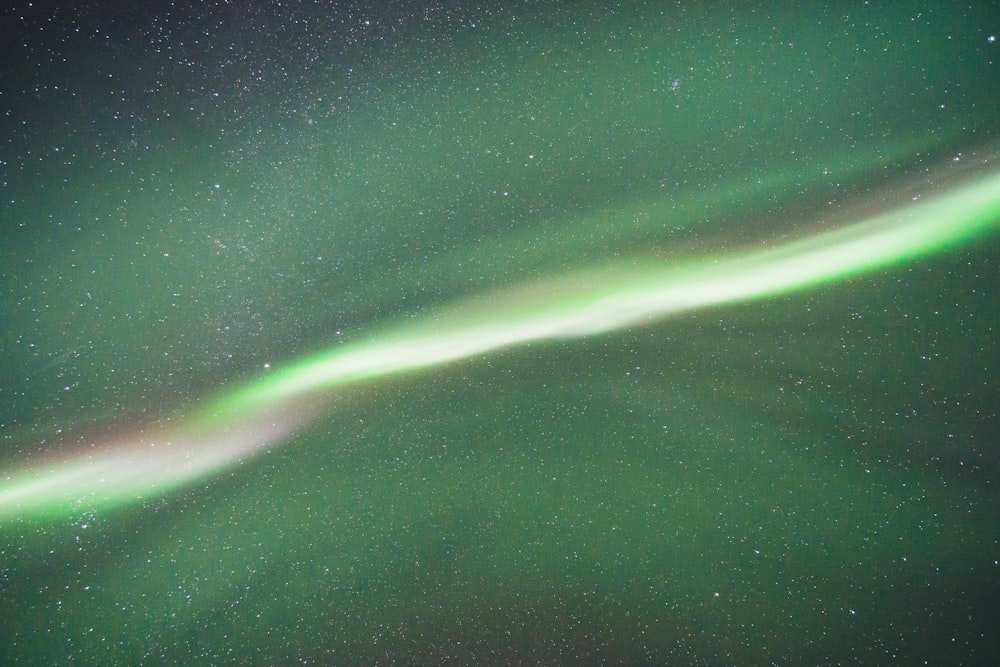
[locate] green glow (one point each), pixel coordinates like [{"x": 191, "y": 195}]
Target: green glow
[
  {"x": 624, "y": 295},
  {"x": 578, "y": 304},
  {"x": 642, "y": 221}
]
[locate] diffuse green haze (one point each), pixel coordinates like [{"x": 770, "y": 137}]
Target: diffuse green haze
[
  {"x": 619, "y": 295},
  {"x": 650, "y": 219}
]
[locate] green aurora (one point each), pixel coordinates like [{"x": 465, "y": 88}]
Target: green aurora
[
  {"x": 252, "y": 417},
  {"x": 499, "y": 333}
]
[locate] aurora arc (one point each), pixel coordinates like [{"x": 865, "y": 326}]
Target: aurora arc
[{"x": 247, "y": 419}]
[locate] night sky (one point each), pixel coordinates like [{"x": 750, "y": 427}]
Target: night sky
[{"x": 499, "y": 333}]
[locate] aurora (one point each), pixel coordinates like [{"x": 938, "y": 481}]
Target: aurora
[
  {"x": 242, "y": 421},
  {"x": 499, "y": 333}
]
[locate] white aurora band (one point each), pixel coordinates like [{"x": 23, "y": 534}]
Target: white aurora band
[{"x": 261, "y": 413}]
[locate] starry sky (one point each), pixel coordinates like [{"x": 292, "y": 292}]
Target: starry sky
[{"x": 499, "y": 333}]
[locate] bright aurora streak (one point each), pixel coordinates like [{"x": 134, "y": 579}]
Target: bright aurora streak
[{"x": 121, "y": 471}]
